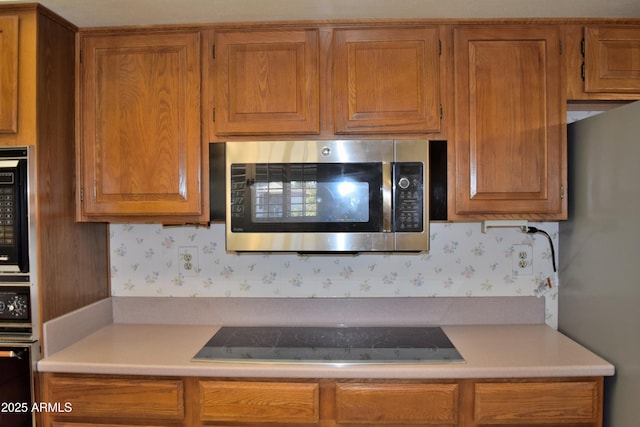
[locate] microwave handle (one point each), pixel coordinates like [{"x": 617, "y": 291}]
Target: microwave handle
[{"x": 387, "y": 183}]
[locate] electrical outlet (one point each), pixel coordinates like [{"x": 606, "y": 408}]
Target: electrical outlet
[
  {"x": 188, "y": 261},
  {"x": 522, "y": 258}
]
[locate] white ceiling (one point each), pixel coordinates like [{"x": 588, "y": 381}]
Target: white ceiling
[{"x": 98, "y": 13}]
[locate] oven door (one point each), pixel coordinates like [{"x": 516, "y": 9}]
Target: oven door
[{"x": 17, "y": 383}]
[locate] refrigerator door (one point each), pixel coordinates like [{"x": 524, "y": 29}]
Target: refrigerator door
[{"x": 599, "y": 252}]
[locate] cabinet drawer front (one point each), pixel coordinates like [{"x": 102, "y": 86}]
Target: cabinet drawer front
[
  {"x": 119, "y": 398},
  {"x": 259, "y": 402},
  {"x": 72, "y": 424},
  {"x": 500, "y": 403},
  {"x": 397, "y": 403}
]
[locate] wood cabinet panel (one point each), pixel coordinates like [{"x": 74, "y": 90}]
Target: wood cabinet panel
[
  {"x": 258, "y": 402},
  {"x": 510, "y": 142},
  {"x": 423, "y": 404},
  {"x": 612, "y": 59},
  {"x": 386, "y": 80},
  {"x": 74, "y": 424},
  {"x": 118, "y": 398},
  {"x": 536, "y": 403},
  {"x": 574, "y": 45},
  {"x": 9, "y": 75},
  {"x": 267, "y": 82},
  {"x": 140, "y": 124}
]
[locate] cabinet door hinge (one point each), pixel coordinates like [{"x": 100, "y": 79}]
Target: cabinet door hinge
[
  {"x": 213, "y": 51},
  {"x": 439, "y": 47},
  {"x": 214, "y": 115},
  {"x": 582, "y": 71},
  {"x": 562, "y": 191},
  {"x": 561, "y": 47},
  {"x": 80, "y": 55},
  {"x": 582, "y": 47},
  {"x": 441, "y": 111},
  {"x": 81, "y": 194}
]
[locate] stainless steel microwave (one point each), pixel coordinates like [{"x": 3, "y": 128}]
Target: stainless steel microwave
[{"x": 324, "y": 196}]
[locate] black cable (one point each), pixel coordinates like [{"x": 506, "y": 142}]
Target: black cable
[{"x": 534, "y": 230}]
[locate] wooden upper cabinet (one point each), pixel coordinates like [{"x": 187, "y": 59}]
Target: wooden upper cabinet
[
  {"x": 386, "y": 80},
  {"x": 8, "y": 74},
  {"x": 266, "y": 82},
  {"x": 510, "y": 142},
  {"x": 140, "y": 119},
  {"x": 612, "y": 59}
]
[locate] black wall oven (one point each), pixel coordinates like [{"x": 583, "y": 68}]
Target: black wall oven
[{"x": 19, "y": 346}]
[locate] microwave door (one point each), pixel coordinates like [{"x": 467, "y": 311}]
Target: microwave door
[
  {"x": 13, "y": 216},
  {"x": 309, "y": 207}
]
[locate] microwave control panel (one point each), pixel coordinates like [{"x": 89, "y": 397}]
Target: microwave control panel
[{"x": 408, "y": 203}]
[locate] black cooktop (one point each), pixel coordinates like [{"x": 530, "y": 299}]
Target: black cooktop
[{"x": 330, "y": 345}]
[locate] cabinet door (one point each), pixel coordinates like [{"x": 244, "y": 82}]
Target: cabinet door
[
  {"x": 9, "y": 74},
  {"x": 267, "y": 82},
  {"x": 537, "y": 403},
  {"x": 386, "y": 80},
  {"x": 259, "y": 402},
  {"x": 510, "y": 142},
  {"x": 140, "y": 124},
  {"x": 397, "y": 404},
  {"x": 612, "y": 59},
  {"x": 85, "y": 398}
]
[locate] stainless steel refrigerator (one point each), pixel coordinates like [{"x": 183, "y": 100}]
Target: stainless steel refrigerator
[{"x": 599, "y": 252}]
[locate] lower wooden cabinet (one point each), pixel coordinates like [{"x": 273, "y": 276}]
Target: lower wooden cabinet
[{"x": 134, "y": 401}]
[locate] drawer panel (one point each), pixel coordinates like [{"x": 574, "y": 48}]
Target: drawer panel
[
  {"x": 500, "y": 403},
  {"x": 361, "y": 403},
  {"x": 72, "y": 424},
  {"x": 128, "y": 398},
  {"x": 248, "y": 401}
]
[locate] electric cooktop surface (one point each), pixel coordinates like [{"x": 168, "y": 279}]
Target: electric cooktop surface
[{"x": 330, "y": 345}]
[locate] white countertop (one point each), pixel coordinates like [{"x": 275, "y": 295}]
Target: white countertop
[{"x": 490, "y": 351}]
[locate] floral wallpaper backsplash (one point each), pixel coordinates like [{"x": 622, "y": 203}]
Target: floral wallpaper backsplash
[{"x": 152, "y": 260}]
